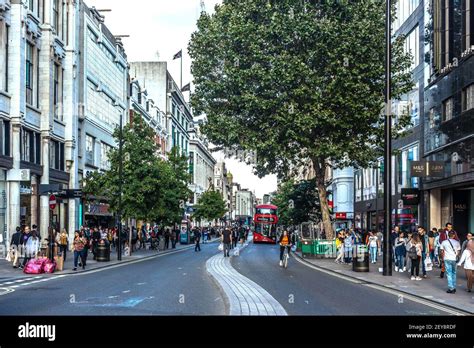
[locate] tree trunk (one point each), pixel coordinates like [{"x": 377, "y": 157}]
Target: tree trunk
[{"x": 320, "y": 170}]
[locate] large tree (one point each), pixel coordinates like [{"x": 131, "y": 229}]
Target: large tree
[
  {"x": 297, "y": 202},
  {"x": 210, "y": 206},
  {"x": 152, "y": 189},
  {"x": 297, "y": 82}
]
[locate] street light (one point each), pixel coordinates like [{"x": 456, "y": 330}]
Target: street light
[{"x": 387, "y": 253}]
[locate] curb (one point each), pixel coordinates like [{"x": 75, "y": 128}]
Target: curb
[
  {"x": 383, "y": 286},
  {"x": 109, "y": 265}
]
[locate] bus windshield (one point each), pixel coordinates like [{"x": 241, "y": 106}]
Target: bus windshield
[
  {"x": 266, "y": 211},
  {"x": 266, "y": 230}
]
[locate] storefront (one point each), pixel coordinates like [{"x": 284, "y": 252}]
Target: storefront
[
  {"x": 97, "y": 214},
  {"x": 3, "y": 207}
]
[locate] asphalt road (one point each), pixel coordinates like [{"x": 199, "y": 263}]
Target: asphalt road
[
  {"x": 305, "y": 291},
  {"x": 175, "y": 284}
]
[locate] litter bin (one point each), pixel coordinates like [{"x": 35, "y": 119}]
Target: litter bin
[
  {"x": 360, "y": 258},
  {"x": 103, "y": 251}
]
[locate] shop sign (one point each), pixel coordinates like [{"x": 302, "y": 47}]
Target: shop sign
[
  {"x": 410, "y": 196},
  {"x": 25, "y": 190},
  {"x": 436, "y": 169},
  {"x": 418, "y": 169},
  {"x": 98, "y": 209},
  {"x": 341, "y": 216}
]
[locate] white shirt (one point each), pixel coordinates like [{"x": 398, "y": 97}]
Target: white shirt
[
  {"x": 449, "y": 253},
  {"x": 466, "y": 258},
  {"x": 373, "y": 241}
]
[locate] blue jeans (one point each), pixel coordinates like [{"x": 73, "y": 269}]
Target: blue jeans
[
  {"x": 77, "y": 254},
  {"x": 373, "y": 254},
  {"x": 400, "y": 261},
  {"x": 450, "y": 266},
  {"x": 423, "y": 267}
]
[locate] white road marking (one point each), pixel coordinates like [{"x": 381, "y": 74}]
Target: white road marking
[
  {"x": 126, "y": 291},
  {"x": 112, "y": 296}
]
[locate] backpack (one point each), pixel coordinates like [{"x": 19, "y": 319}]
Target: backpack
[
  {"x": 63, "y": 239},
  {"x": 412, "y": 253}
]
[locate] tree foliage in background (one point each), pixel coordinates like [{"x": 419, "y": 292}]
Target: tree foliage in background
[
  {"x": 297, "y": 202},
  {"x": 297, "y": 82},
  {"x": 211, "y": 206},
  {"x": 152, "y": 189}
]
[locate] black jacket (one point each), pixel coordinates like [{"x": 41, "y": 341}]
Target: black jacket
[{"x": 16, "y": 239}]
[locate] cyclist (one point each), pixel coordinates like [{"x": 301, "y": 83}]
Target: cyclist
[{"x": 285, "y": 242}]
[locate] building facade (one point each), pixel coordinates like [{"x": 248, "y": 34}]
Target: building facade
[
  {"x": 38, "y": 105},
  {"x": 369, "y": 209},
  {"x": 449, "y": 115},
  {"x": 244, "y": 206},
  {"x": 223, "y": 184},
  {"x": 342, "y": 188},
  {"x": 103, "y": 100},
  {"x": 201, "y": 165}
]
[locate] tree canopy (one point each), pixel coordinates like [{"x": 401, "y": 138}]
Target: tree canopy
[
  {"x": 297, "y": 82},
  {"x": 210, "y": 206}
]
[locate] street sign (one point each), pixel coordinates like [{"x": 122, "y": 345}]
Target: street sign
[
  {"x": 52, "y": 202},
  {"x": 418, "y": 169},
  {"x": 410, "y": 196},
  {"x": 75, "y": 193},
  {"x": 48, "y": 189}
]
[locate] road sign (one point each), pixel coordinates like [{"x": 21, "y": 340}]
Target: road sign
[{"x": 52, "y": 202}]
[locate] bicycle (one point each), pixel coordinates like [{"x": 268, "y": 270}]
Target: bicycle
[{"x": 286, "y": 257}]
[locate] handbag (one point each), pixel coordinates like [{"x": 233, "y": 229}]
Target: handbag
[
  {"x": 10, "y": 257},
  {"x": 221, "y": 247},
  {"x": 457, "y": 253},
  {"x": 428, "y": 264}
]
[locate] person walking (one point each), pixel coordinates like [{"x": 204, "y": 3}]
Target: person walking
[
  {"x": 400, "y": 252},
  {"x": 173, "y": 240},
  {"x": 464, "y": 244},
  {"x": 444, "y": 235},
  {"x": 226, "y": 240},
  {"x": 373, "y": 245},
  {"x": 32, "y": 248},
  {"x": 167, "y": 239},
  {"x": 85, "y": 252},
  {"x": 79, "y": 243},
  {"x": 467, "y": 258},
  {"x": 451, "y": 249},
  {"x": 348, "y": 241},
  {"x": 95, "y": 241},
  {"x": 16, "y": 246},
  {"x": 63, "y": 243},
  {"x": 425, "y": 247},
  {"x": 340, "y": 247},
  {"x": 414, "y": 248},
  {"x": 197, "y": 239}
]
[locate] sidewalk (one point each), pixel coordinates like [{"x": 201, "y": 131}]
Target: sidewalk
[
  {"x": 7, "y": 272},
  {"x": 432, "y": 288}
]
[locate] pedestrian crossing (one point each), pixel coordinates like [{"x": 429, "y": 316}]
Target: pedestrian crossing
[{"x": 9, "y": 285}]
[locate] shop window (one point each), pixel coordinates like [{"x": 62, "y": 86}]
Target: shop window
[{"x": 468, "y": 98}]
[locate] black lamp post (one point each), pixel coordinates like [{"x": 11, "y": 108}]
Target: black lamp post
[
  {"x": 387, "y": 253},
  {"x": 119, "y": 215}
]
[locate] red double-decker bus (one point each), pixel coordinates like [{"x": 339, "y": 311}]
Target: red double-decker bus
[{"x": 265, "y": 221}]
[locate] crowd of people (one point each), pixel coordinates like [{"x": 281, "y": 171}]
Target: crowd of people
[{"x": 415, "y": 252}]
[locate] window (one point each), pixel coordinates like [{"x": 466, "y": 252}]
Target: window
[
  {"x": 104, "y": 156},
  {"x": 25, "y": 145},
  {"x": 57, "y": 91},
  {"x": 90, "y": 144},
  {"x": 404, "y": 9},
  {"x": 412, "y": 46},
  {"x": 404, "y": 175},
  {"x": 448, "y": 106},
  {"x": 56, "y": 155},
  {"x": 4, "y": 137},
  {"x": 55, "y": 19},
  {"x": 30, "y": 68},
  {"x": 468, "y": 98},
  {"x": 4, "y": 56}
]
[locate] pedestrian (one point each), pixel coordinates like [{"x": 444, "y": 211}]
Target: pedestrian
[
  {"x": 414, "y": 249},
  {"x": 32, "y": 247},
  {"x": 372, "y": 244},
  {"x": 464, "y": 244},
  {"x": 134, "y": 238},
  {"x": 242, "y": 236},
  {"x": 444, "y": 235},
  {"x": 197, "y": 239},
  {"x": 167, "y": 238},
  {"x": 431, "y": 245},
  {"x": 86, "y": 235},
  {"x": 348, "y": 242},
  {"x": 379, "y": 235},
  {"x": 425, "y": 248},
  {"x": 52, "y": 246},
  {"x": 393, "y": 235},
  {"x": 451, "y": 249},
  {"x": 79, "y": 244},
  {"x": 95, "y": 241},
  {"x": 173, "y": 240},
  {"x": 226, "y": 240},
  {"x": 235, "y": 237},
  {"x": 16, "y": 246},
  {"x": 400, "y": 252},
  {"x": 467, "y": 258},
  {"x": 340, "y": 247},
  {"x": 63, "y": 243}
]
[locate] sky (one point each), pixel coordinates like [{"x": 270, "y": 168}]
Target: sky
[{"x": 158, "y": 29}]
